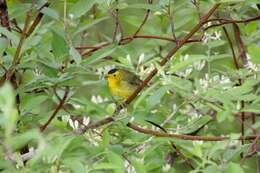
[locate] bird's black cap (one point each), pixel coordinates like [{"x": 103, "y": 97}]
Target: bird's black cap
[{"x": 112, "y": 71}]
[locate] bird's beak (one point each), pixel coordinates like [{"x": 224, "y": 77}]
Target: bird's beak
[{"x": 106, "y": 76}]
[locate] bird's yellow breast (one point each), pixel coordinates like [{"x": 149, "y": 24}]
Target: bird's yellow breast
[{"x": 121, "y": 88}]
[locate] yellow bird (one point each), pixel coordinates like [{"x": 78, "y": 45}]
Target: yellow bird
[{"x": 122, "y": 83}]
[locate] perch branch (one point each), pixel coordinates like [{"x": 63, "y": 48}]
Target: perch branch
[
  {"x": 186, "y": 137},
  {"x": 60, "y": 105}
]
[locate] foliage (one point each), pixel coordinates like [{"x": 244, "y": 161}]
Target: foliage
[{"x": 204, "y": 90}]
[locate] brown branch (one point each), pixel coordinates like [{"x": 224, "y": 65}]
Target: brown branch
[
  {"x": 17, "y": 56},
  {"x": 37, "y": 19},
  {"x": 229, "y": 21},
  {"x": 171, "y": 20},
  {"x": 240, "y": 44},
  {"x": 244, "y": 58},
  {"x": 95, "y": 48},
  {"x": 61, "y": 103},
  {"x": 4, "y": 15},
  {"x": 96, "y": 124},
  {"x": 140, "y": 26},
  {"x": 144, "y": 21},
  {"x": 117, "y": 24},
  {"x": 186, "y": 137},
  {"x": 232, "y": 48},
  {"x": 177, "y": 150},
  {"x": 101, "y": 45}
]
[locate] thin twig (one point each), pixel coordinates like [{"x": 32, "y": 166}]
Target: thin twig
[
  {"x": 61, "y": 103},
  {"x": 244, "y": 58},
  {"x": 229, "y": 21},
  {"x": 140, "y": 26},
  {"x": 186, "y": 137},
  {"x": 144, "y": 21},
  {"x": 4, "y": 19},
  {"x": 240, "y": 44},
  {"x": 96, "y": 124},
  {"x": 37, "y": 19},
  {"x": 17, "y": 55},
  {"x": 117, "y": 24},
  {"x": 171, "y": 20},
  {"x": 232, "y": 48}
]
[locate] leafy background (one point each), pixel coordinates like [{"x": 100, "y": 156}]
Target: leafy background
[{"x": 60, "y": 73}]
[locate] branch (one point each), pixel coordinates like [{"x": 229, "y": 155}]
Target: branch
[
  {"x": 144, "y": 21},
  {"x": 229, "y": 21},
  {"x": 37, "y": 20},
  {"x": 17, "y": 56},
  {"x": 117, "y": 24},
  {"x": 232, "y": 48},
  {"x": 240, "y": 44},
  {"x": 186, "y": 137},
  {"x": 141, "y": 25},
  {"x": 242, "y": 103},
  {"x": 60, "y": 105},
  {"x": 96, "y": 124},
  {"x": 101, "y": 45},
  {"x": 4, "y": 15}
]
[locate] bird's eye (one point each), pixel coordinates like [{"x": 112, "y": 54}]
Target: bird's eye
[{"x": 114, "y": 75}]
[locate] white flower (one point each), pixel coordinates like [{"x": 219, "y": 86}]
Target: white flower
[
  {"x": 199, "y": 65},
  {"x": 128, "y": 57},
  {"x": 157, "y": 13},
  {"x": 74, "y": 124},
  {"x": 250, "y": 65},
  {"x": 86, "y": 120},
  {"x": 141, "y": 58},
  {"x": 209, "y": 37},
  {"x": 98, "y": 99},
  {"x": 71, "y": 16},
  {"x": 65, "y": 118},
  {"x": 166, "y": 167},
  {"x": 76, "y": 106}
]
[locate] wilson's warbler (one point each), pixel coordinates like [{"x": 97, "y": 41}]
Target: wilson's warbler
[{"x": 122, "y": 83}]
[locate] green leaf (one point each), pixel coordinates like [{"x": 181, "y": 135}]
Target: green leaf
[
  {"x": 254, "y": 52},
  {"x": 8, "y": 112},
  {"x": 10, "y": 35},
  {"x": 21, "y": 140},
  {"x": 106, "y": 138},
  {"x": 89, "y": 25},
  {"x": 195, "y": 125},
  {"x": 105, "y": 166},
  {"x": 152, "y": 7},
  {"x": 60, "y": 48},
  {"x": 100, "y": 54},
  {"x": 234, "y": 168},
  {"x": 139, "y": 167},
  {"x": 31, "y": 102},
  {"x": 75, "y": 165},
  {"x": 75, "y": 55},
  {"x": 81, "y": 7},
  {"x": 211, "y": 169},
  {"x": 116, "y": 160},
  {"x": 3, "y": 45},
  {"x": 50, "y": 12},
  {"x": 223, "y": 115},
  {"x": 183, "y": 64},
  {"x": 156, "y": 97}
]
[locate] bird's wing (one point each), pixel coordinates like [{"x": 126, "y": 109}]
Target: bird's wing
[{"x": 132, "y": 78}]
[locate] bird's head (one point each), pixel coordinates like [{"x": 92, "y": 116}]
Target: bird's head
[{"x": 114, "y": 76}]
